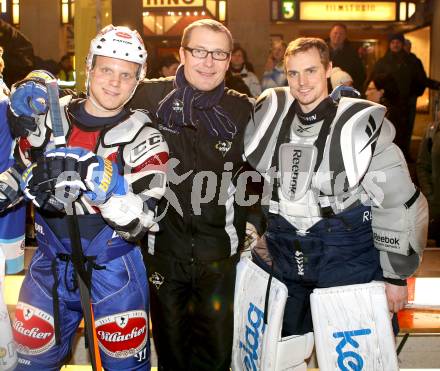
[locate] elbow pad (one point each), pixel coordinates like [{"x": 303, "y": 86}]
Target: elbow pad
[
  {"x": 400, "y": 211},
  {"x": 10, "y": 191},
  {"x": 128, "y": 214},
  {"x": 400, "y": 234}
]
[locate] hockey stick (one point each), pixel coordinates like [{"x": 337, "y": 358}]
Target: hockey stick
[{"x": 77, "y": 256}]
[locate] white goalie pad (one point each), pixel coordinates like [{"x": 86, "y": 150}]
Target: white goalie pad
[
  {"x": 258, "y": 346},
  {"x": 8, "y": 356},
  {"x": 353, "y": 329}
]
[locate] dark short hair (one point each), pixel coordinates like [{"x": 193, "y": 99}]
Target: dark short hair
[
  {"x": 304, "y": 44},
  {"x": 396, "y": 36},
  {"x": 342, "y": 25},
  {"x": 388, "y": 83},
  {"x": 168, "y": 60},
  {"x": 237, "y": 48},
  {"x": 206, "y": 23}
]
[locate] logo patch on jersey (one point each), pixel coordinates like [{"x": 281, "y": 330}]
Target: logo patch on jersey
[
  {"x": 177, "y": 105},
  {"x": 157, "y": 280},
  {"x": 372, "y": 131},
  {"x": 123, "y": 335},
  {"x": 141, "y": 149},
  {"x": 33, "y": 330},
  {"x": 303, "y": 129},
  {"x": 223, "y": 146}
]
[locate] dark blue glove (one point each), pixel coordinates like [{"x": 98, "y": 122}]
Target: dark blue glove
[{"x": 28, "y": 99}]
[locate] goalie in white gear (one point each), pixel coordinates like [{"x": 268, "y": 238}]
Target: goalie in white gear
[
  {"x": 119, "y": 162},
  {"x": 343, "y": 209}
]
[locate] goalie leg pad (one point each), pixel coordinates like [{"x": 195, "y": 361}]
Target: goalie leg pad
[
  {"x": 259, "y": 346},
  {"x": 352, "y": 327}
]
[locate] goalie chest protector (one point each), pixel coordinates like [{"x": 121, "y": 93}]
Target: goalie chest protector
[{"x": 338, "y": 158}]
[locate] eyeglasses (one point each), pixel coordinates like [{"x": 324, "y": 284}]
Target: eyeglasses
[{"x": 218, "y": 55}]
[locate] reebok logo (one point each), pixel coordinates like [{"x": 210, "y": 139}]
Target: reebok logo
[
  {"x": 296, "y": 156},
  {"x": 387, "y": 240}
]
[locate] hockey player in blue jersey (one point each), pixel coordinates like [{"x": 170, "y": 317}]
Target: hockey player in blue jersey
[
  {"x": 12, "y": 221},
  {"x": 117, "y": 163}
]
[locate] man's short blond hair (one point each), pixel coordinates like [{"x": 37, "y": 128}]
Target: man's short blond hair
[
  {"x": 304, "y": 44},
  {"x": 209, "y": 24}
]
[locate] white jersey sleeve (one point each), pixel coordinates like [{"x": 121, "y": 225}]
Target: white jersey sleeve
[{"x": 399, "y": 209}]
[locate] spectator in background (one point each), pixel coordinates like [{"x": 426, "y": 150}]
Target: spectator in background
[
  {"x": 343, "y": 55},
  {"x": 340, "y": 77},
  {"x": 418, "y": 85},
  {"x": 240, "y": 66},
  {"x": 409, "y": 81},
  {"x": 428, "y": 175},
  {"x": 168, "y": 66},
  {"x": 4, "y": 90},
  {"x": 12, "y": 222},
  {"x": 19, "y": 53},
  {"x": 274, "y": 74},
  {"x": 66, "y": 72},
  {"x": 382, "y": 88},
  {"x": 236, "y": 83},
  {"x": 429, "y": 83}
]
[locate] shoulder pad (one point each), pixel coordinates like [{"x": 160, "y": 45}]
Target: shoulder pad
[
  {"x": 148, "y": 147},
  {"x": 263, "y": 128},
  {"x": 356, "y": 130},
  {"x": 127, "y": 130},
  {"x": 386, "y": 137}
]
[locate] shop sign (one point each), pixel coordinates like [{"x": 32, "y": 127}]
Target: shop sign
[
  {"x": 173, "y": 3},
  {"x": 347, "y": 11}
]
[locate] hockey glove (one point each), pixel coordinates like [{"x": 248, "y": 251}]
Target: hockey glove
[
  {"x": 52, "y": 184},
  {"x": 10, "y": 191},
  {"x": 98, "y": 177},
  {"x": 28, "y": 98}
]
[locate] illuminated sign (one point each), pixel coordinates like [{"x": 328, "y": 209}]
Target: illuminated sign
[
  {"x": 347, "y": 11},
  {"x": 173, "y": 3},
  {"x": 288, "y": 9}
]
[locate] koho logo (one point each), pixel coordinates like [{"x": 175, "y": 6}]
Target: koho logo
[{"x": 254, "y": 331}]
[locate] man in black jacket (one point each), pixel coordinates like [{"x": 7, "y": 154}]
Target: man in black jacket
[
  {"x": 343, "y": 55},
  {"x": 410, "y": 82},
  {"x": 192, "y": 259},
  {"x": 19, "y": 53}
]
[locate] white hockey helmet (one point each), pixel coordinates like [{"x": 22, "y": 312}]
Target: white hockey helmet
[{"x": 121, "y": 43}]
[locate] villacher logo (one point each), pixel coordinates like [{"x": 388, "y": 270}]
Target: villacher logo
[
  {"x": 124, "y": 334},
  {"x": 33, "y": 330}
]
